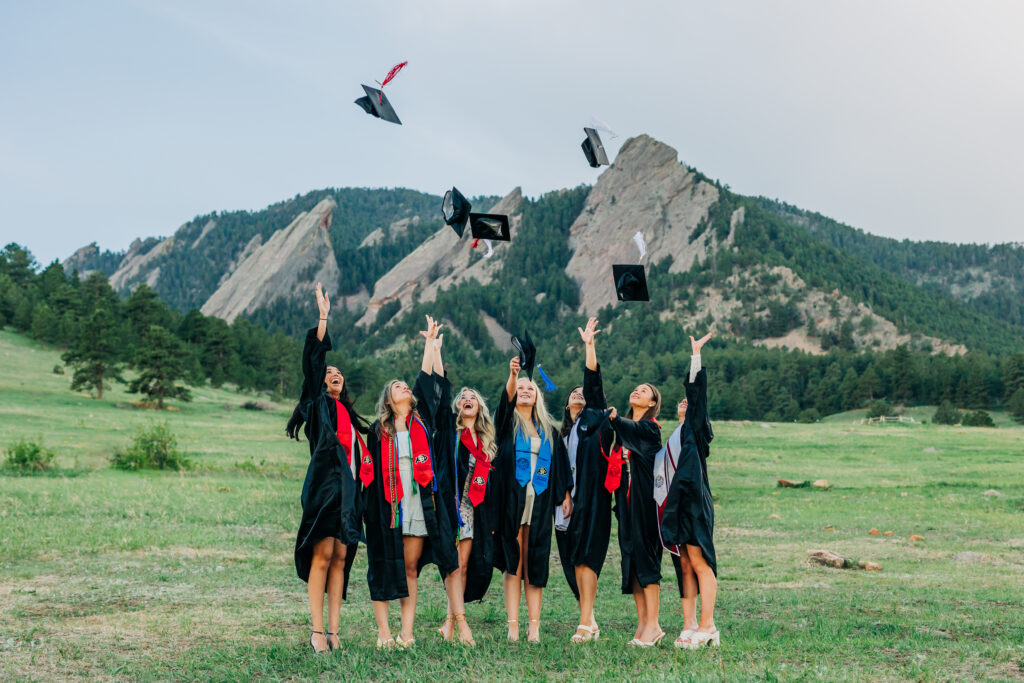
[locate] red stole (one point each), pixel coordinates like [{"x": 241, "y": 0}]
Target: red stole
[
  {"x": 478, "y": 477},
  {"x": 344, "y": 431},
  {"x": 422, "y": 467},
  {"x": 613, "y": 478}
]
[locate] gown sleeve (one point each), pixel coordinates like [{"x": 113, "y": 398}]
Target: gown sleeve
[
  {"x": 697, "y": 409},
  {"x": 428, "y": 398},
  {"x": 638, "y": 435},
  {"x": 562, "y": 483},
  {"x": 503, "y": 417},
  {"x": 314, "y": 364},
  {"x": 593, "y": 389}
]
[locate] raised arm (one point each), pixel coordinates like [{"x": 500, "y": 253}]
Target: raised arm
[
  {"x": 438, "y": 365},
  {"x": 429, "y": 348},
  {"x": 593, "y": 389},
  {"x": 506, "y": 402},
  {"x": 323, "y": 302},
  {"x": 426, "y": 390},
  {"x": 513, "y": 377}
]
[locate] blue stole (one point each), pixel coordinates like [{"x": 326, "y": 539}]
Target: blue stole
[{"x": 540, "y": 476}]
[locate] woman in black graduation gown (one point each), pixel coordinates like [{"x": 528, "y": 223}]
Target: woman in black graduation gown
[
  {"x": 404, "y": 487},
  {"x": 689, "y": 517},
  {"x": 465, "y": 433},
  {"x": 583, "y": 544},
  {"x": 631, "y": 473},
  {"x": 329, "y": 531},
  {"x": 532, "y": 475}
]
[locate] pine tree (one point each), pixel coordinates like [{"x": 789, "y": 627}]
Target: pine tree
[
  {"x": 869, "y": 385},
  {"x": 160, "y": 362},
  {"x": 849, "y": 396},
  {"x": 144, "y": 308},
  {"x": 903, "y": 374},
  {"x": 1015, "y": 405},
  {"x": 95, "y": 356}
]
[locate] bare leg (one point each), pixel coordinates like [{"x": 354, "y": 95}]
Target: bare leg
[
  {"x": 513, "y": 588},
  {"x": 455, "y": 585},
  {"x": 586, "y": 581},
  {"x": 534, "y": 596},
  {"x": 322, "y": 553},
  {"x": 651, "y": 598},
  {"x": 465, "y": 547},
  {"x": 335, "y": 587},
  {"x": 708, "y": 588},
  {"x": 641, "y": 607},
  {"x": 380, "y": 613},
  {"x": 689, "y": 596},
  {"x": 413, "y": 548}
]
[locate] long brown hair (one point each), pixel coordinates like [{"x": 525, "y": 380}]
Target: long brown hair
[
  {"x": 300, "y": 418},
  {"x": 652, "y": 412},
  {"x": 386, "y": 411},
  {"x": 483, "y": 425},
  {"x": 567, "y": 420}
]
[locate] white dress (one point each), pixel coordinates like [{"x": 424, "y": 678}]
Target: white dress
[
  {"x": 413, "y": 521},
  {"x": 530, "y": 495}
]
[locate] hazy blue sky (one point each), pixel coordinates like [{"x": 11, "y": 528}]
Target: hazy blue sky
[{"x": 125, "y": 118}]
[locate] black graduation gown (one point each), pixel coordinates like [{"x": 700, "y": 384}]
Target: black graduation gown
[
  {"x": 480, "y": 566},
  {"x": 385, "y": 572},
  {"x": 512, "y": 500},
  {"x": 585, "y": 542},
  {"x": 689, "y": 517},
  {"x": 639, "y": 537},
  {"x": 330, "y": 500}
]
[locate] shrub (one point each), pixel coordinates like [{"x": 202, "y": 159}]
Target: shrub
[
  {"x": 946, "y": 414},
  {"x": 880, "y": 407},
  {"x": 58, "y": 369},
  {"x": 29, "y": 456},
  {"x": 808, "y": 415},
  {"x": 258, "y": 405},
  {"x": 978, "y": 418},
  {"x": 152, "y": 448},
  {"x": 1015, "y": 406}
]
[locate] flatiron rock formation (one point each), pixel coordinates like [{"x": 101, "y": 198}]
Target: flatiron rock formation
[{"x": 290, "y": 261}]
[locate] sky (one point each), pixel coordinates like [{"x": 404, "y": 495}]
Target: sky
[{"x": 126, "y": 118}]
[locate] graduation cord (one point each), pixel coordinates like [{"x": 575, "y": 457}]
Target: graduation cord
[{"x": 396, "y": 510}]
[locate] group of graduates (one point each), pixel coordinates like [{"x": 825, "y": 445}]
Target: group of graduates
[{"x": 434, "y": 479}]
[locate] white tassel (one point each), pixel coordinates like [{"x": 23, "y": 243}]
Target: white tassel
[
  {"x": 490, "y": 249},
  {"x": 640, "y": 244}
]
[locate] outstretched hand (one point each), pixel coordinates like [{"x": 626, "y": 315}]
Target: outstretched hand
[
  {"x": 439, "y": 341},
  {"x": 323, "y": 302},
  {"x": 588, "y": 334},
  {"x": 612, "y": 413},
  {"x": 513, "y": 367},
  {"x": 697, "y": 344},
  {"x": 430, "y": 334}
]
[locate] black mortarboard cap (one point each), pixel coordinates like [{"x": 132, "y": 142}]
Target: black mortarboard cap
[
  {"x": 527, "y": 353},
  {"x": 630, "y": 282},
  {"x": 375, "y": 103},
  {"x": 593, "y": 149},
  {"x": 490, "y": 226},
  {"x": 455, "y": 209}
]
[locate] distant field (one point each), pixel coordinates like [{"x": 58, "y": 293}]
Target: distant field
[{"x": 108, "y": 575}]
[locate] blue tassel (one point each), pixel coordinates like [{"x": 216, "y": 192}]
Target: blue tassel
[{"x": 548, "y": 384}]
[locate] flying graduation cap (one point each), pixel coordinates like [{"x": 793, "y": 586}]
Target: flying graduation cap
[
  {"x": 630, "y": 279},
  {"x": 490, "y": 226},
  {"x": 455, "y": 209},
  {"x": 630, "y": 282},
  {"x": 375, "y": 103},
  {"x": 593, "y": 149},
  {"x": 528, "y": 360}
]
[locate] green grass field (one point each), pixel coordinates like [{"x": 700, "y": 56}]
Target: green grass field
[{"x": 111, "y": 575}]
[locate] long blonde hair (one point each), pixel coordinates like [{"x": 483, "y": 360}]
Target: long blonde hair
[
  {"x": 483, "y": 425},
  {"x": 540, "y": 414},
  {"x": 386, "y": 411}
]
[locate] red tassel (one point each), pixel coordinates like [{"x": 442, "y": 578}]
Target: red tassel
[
  {"x": 475, "y": 242},
  {"x": 387, "y": 79}
]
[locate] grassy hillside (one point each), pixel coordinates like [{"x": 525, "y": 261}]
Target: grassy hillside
[{"x": 108, "y": 575}]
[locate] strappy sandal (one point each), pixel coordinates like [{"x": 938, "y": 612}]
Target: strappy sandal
[
  {"x": 330, "y": 645},
  {"x": 683, "y": 641},
  {"x": 385, "y": 644},
  {"x": 701, "y": 639},
  {"x": 464, "y": 641},
  {"x": 404, "y": 644},
  {"x": 311, "y": 645},
  {"x": 447, "y": 621},
  {"x": 513, "y": 636},
  {"x": 636, "y": 642},
  {"x": 529, "y": 638},
  {"x": 588, "y": 634}
]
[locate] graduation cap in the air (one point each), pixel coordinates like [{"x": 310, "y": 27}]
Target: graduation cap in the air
[
  {"x": 630, "y": 282},
  {"x": 456, "y": 210},
  {"x": 593, "y": 149},
  {"x": 528, "y": 360},
  {"x": 375, "y": 103},
  {"x": 490, "y": 226}
]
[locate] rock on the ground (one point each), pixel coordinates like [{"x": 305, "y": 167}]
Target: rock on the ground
[
  {"x": 790, "y": 484},
  {"x": 916, "y": 537},
  {"x": 992, "y": 493},
  {"x": 821, "y": 484}
]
